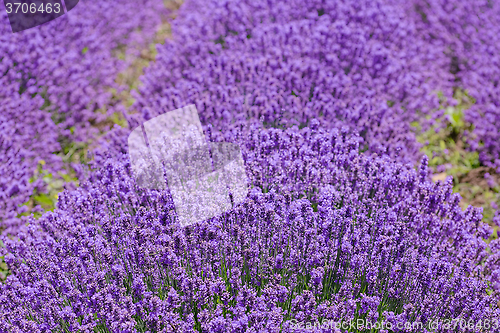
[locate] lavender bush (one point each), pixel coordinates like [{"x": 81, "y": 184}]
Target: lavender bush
[
  {"x": 325, "y": 233},
  {"x": 56, "y": 81},
  {"x": 338, "y": 225},
  {"x": 374, "y": 66},
  {"x": 22, "y": 145},
  {"x": 361, "y": 64}
]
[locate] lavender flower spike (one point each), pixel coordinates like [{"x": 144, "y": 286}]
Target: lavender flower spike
[{"x": 205, "y": 180}]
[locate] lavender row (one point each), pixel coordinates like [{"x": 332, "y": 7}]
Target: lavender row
[
  {"x": 56, "y": 81},
  {"x": 469, "y": 34},
  {"x": 326, "y": 233},
  {"x": 361, "y": 64},
  {"x": 374, "y": 66}
]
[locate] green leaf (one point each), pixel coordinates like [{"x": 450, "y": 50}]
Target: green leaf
[
  {"x": 67, "y": 178},
  {"x": 47, "y": 178},
  {"x": 43, "y": 199}
]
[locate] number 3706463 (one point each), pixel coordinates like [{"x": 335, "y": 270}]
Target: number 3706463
[{"x": 19, "y": 7}]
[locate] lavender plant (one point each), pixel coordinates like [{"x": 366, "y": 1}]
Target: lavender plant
[
  {"x": 55, "y": 84},
  {"x": 326, "y": 233},
  {"x": 361, "y": 64}
]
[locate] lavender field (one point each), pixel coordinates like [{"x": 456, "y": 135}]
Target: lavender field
[{"x": 370, "y": 137}]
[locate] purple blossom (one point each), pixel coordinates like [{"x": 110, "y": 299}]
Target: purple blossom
[
  {"x": 338, "y": 224},
  {"x": 326, "y": 233},
  {"x": 362, "y": 65},
  {"x": 54, "y": 79}
]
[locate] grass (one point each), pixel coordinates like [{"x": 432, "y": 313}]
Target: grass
[{"x": 448, "y": 153}]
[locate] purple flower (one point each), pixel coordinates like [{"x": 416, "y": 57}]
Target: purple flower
[
  {"x": 55, "y": 81},
  {"x": 362, "y": 236}
]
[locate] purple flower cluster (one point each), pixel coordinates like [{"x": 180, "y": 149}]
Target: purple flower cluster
[
  {"x": 326, "y": 233},
  {"x": 374, "y": 66},
  {"x": 361, "y": 64},
  {"x": 55, "y": 82}
]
